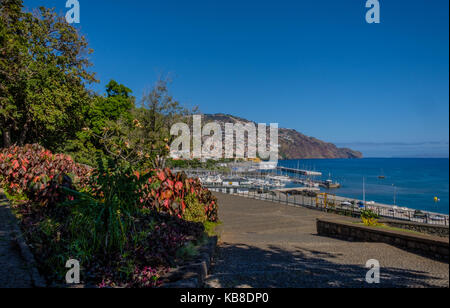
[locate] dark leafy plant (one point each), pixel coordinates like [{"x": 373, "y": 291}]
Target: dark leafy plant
[
  {"x": 146, "y": 278},
  {"x": 104, "y": 215}
]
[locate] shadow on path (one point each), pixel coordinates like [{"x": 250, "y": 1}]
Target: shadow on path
[
  {"x": 14, "y": 271},
  {"x": 241, "y": 265}
]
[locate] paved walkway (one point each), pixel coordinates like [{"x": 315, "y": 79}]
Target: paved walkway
[
  {"x": 14, "y": 271},
  {"x": 266, "y": 244}
]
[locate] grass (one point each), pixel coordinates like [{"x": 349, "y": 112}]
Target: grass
[
  {"x": 381, "y": 226},
  {"x": 190, "y": 250},
  {"x": 14, "y": 198},
  {"x": 210, "y": 227},
  {"x": 398, "y": 229}
]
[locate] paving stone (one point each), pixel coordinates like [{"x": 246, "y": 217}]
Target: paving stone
[
  {"x": 14, "y": 270},
  {"x": 266, "y": 244}
]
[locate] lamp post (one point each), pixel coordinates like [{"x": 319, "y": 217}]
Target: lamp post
[
  {"x": 364, "y": 192},
  {"x": 395, "y": 191}
]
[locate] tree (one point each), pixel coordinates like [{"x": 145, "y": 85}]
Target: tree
[
  {"x": 13, "y": 48},
  {"x": 158, "y": 112},
  {"x": 116, "y": 106},
  {"x": 44, "y": 73},
  {"x": 144, "y": 142}
]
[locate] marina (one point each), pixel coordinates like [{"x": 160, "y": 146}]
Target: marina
[{"x": 303, "y": 187}]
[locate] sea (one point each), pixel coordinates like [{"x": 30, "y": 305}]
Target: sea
[{"x": 412, "y": 182}]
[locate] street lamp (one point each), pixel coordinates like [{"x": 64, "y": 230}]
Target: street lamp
[{"x": 395, "y": 191}]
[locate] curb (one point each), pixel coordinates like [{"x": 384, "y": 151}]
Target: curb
[
  {"x": 16, "y": 234},
  {"x": 192, "y": 275}
]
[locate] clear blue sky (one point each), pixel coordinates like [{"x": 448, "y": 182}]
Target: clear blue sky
[{"x": 312, "y": 65}]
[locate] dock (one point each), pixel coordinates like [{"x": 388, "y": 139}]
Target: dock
[
  {"x": 296, "y": 189},
  {"x": 299, "y": 171}
]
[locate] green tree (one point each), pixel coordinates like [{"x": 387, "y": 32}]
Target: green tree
[
  {"x": 116, "y": 106},
  {"x": 158, "y": 112},
  {"x": 144, "y": 143},
  {"x": 44, "y": 73}
]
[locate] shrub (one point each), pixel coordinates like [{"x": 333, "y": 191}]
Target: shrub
[
  {"x": 172, "y": 191},
  {"x": 369, "y": 218},
  {"x": 195, "y": 211},
  {"x": 122, "y": 225},
  {"x": 146, "y": 278},
  {"x": 104, "y": 214},
  {"x": 38, "y": 174},
  {"x": 187, "y": 252},
  {"x": 168, "y": 235}
]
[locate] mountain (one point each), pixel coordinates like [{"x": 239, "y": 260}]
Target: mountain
[{"x": 293, "y": 145}]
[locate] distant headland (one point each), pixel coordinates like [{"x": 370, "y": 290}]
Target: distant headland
[{"x": 294, "y": 145}]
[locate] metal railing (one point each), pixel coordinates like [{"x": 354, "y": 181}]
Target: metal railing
[{"x": 334, "y": 204}]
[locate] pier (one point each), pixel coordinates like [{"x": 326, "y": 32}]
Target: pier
[
  {"x": 297, "y": 189},
  {"x": 299, "y": 171}
]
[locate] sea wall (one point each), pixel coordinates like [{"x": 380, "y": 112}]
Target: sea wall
[{"x": 431, "y": 246}]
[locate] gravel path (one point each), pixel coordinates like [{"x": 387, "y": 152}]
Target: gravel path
[
  {"x": 266, "y": 244},
  {"x": 14, "y": 271}
]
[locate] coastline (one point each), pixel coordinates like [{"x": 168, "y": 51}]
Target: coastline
[{"x": 411, "y": 182}]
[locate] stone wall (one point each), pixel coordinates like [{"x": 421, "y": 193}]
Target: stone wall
[
  {"x": 436, "y": 230},
  {"x": 432, "y": 246}
]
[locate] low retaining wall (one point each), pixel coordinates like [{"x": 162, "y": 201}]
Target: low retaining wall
[
  {"x": 435, "y": 247},
  {"x": 436, "y": 230}
]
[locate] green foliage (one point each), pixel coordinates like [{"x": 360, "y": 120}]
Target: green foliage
[
  {"x": 210, "y": 227},
  {"x": 43, "y": 68},
  {"x": 195, "y": 211},
  {"x": 115, "y": 220},
  {"x": 158, "y": 112},
  {"x": 117, "y": 104},
  {"x": 120, "y": 223},
  {"x": 103, "y": 112},
  {"x": 44, "y": 97},
  {"x": 103, "y": 216},
  {"x": 187, "y": 252},
  {"x": 369, "y": 218}
]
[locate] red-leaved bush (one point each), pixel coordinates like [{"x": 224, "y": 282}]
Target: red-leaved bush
[
  {"x": 170, "y": 196},
  {"x": 38, "y": 174},
  {"x": 107, "y": 214}
]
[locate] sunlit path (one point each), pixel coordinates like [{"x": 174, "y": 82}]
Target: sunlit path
[{"x": 265, "y": 244}]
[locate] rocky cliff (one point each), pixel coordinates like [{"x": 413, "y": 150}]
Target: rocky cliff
[{"x": 293, "y": 145}]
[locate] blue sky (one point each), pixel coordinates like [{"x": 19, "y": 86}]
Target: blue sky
[{"x": 315, "y": 66}]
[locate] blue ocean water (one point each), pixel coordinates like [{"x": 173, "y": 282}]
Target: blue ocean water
[{"x": 414, "y": 181}]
